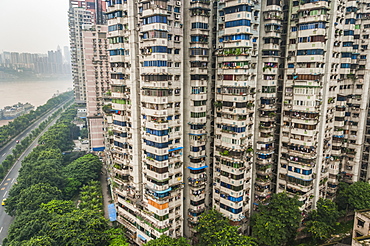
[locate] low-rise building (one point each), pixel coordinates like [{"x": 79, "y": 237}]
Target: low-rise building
[{"x": 361, "y": 228}]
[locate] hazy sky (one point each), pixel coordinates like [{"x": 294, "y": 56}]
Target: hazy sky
[{"x": 34, "y": 26}]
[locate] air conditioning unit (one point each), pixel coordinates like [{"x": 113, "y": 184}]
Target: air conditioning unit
[
  {"x": 223, "y": 18},
  {"x": 178, "y": 3},
  {"x": 177, "y": 16}
]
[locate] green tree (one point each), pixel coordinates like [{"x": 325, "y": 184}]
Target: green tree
[
  {"x": 318, "y": 229},
  {"x": 165, "y": 240},
  {"x": 39, "y": 241},
  {"x": 84, "y": 169},
  {"x": 84, "y": 133},
  {"x": 355, "y": 196},
  {"x": 50, "y": 153},
  {"x": 30, "y": 198},
  {"x": 326, "y": 211},
  {"x": 58, "y": 207},
  {"x": 45, "y": 171},
  {"x": 322, "y": 219},
  {"x": 27, "y": 225},
  {"x": 214, "y": 230},
  {"x": 80, "y": 227},
  {"x": 71, "y": 188},
  {"x": 277, "y": 222},
  {"x": 116, "y": 237}
]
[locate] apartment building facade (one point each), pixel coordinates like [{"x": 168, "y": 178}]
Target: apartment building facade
[
  {"x": 97, "y": 80},
  {"x": 325, "y": 99},
  {"x": 222, "y": 103},
  {"x": 78, "y": 17},
  {"x": 89, "y": 60}
]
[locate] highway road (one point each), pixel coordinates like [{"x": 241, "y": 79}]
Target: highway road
[{"x": 8, "y": 181}]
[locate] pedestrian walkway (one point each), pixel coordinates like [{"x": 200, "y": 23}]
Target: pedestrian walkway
[{"x": 107, "y": 198}]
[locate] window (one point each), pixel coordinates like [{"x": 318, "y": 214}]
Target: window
[
  {"x": 310, "y": 52},
  {"x": 232, "y": 210},
  {"x": 360, "y": 223},
  {"x": 157, "y": 132},
  {"x": 154, "y": 19},
  {"x": 115, "y": 27},
  {"x": 349, "y": 32},
  {"x": 235, "y": 23},
  {"x": 312, "y": 26},
  {"x": 114, "y": 14},
  {"x": 306, "y": 172},
  {"x": 158, "y": 49},
  {"x": 199, "y": 25},
  {"x": 350, "y": 21},
  {"x": 155, "y": 64},
  {"x": 197, "y": 114},
  {"x": 238, "y": 8},
  {"x": 199, "y": 39},
  {"x": 236, "y": 37}
]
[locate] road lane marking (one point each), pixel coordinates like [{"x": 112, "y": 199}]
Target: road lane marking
[
  {"x": 5, "y": 193},
  {"x": 13, "y": 180},
  {"x": 1, "y": 229},
  {"x": 4, "y": 154}
]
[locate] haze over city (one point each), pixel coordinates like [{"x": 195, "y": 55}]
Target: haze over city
[{"x": 33, "y": 26}]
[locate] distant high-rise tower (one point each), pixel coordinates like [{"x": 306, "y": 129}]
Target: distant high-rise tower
[
  {"x": 67, "y": 55},
  {"x": 82, "y": 14}
]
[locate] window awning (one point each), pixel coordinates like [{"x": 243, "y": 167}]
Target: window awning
[
  {"x": 197, "y": 134},
  {"x": 163, "y": 191},
  {"x": 178, "y": 148},
  {"x": 197, "y": 168},
  {"x": 98, "y": 149},
  {"x": 112, "y": 212},
  {"x": 141, "y": 237},
  {"x": 200, "y": 8},
  {"x": 300, "y": 178}
]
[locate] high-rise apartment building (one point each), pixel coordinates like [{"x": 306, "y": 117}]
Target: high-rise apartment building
[
  {"x": 145, "y": 46},
  {"x": 222, "y": 103},
  {"x": 90, "y": 64},
  {"x": 82, "y": 15},
  {"x": 235, "y": 116},
  {"x": 94, "y": 39},
  {"x": 78, "y": 17},
  {"x": 325, "y": 99}
]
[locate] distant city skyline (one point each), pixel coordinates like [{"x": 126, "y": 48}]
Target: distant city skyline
[{"x": 37, "y": 27}]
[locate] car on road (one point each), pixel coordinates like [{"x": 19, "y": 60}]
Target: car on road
[
  {"x": 17, "y": 141},
  {"x": 3, "y": 202}
]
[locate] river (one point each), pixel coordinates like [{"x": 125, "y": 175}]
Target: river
[{"x": 34, "y": 92}]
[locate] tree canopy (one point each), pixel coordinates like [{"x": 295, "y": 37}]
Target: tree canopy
[
  {"x": 165, "y": 240},
  {"x": 84, "y": 169},
  {"x": 321, "y": 221},
  {"x": 277, "y": 222},
  {"x": 215, "y": 230},
  {"x": 355, "y": 196},
  {"x": 30, "y": 198}
]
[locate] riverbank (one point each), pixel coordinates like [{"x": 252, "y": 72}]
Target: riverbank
[{"x": 4, "y": 122}]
